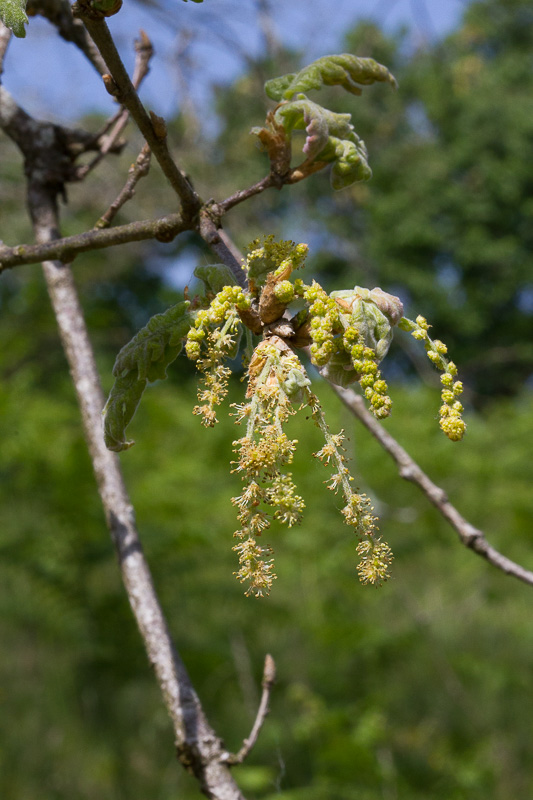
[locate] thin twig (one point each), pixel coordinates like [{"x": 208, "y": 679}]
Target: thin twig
[
  {"x": 112, "y": 130},
  {"x": 244, "y": 194},
  {"x": 137, "y": 171},
  {"x": 470, "y": 536},
  {"x": 164, "y": 229},
  {"x": 155, "y": 135},
  {"x": 272, "y": 180},
  {"x": 269, "y": 678}
]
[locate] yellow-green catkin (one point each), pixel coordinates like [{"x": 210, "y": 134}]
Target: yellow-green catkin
[
  {"x": 262, "y": 457},
  {"x": 450, "y": 412},
  {"x": 375, "y": 555},
  {"x": 214, "y": 335}
]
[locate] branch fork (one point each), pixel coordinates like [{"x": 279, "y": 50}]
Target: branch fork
[{"x": 269, "y": 679}]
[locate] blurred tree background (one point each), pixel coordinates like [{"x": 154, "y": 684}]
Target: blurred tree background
[{"x": 417, "y": 690}]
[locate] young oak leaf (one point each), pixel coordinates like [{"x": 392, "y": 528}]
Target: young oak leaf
[
  {"x": 344, "y": 70},
  {"x": 143, "y": 360},
  {"x": 13, "y": 15},
  {"x": 330, "y": 139},
  {"x": 120, "y": 409},
  {"x": 156, "y": 345},
  {"x": 215, "y": 277}
]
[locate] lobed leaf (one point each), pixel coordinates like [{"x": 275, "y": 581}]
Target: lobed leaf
[
  {"x": 344, "y": 70},
  {"x": 330, "y": 138},
  {"x": 339, "y": 370},
  {"x": 156, "y": 345},
  {"x": 215, "y": 277},
  {"x": 142, "y": 361},
  {"x": 319, "y": 123},
  {"x": 13, "y": 15},
  {"x": 120, "y": 409},
  {"x": 374, "y": 313}
]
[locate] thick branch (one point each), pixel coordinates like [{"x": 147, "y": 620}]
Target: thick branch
[
  {"x": 143, "y": 53},
  {"x": 129, "y": 98},
  {"x": 164, "y": 229},
  {"x": 469, "y": 535},
  {"x": 222, "y": 245},
  {"x": 199, "y": 749}
]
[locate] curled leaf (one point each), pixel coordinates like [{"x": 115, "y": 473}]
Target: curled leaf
[
  {"x": 156, "y": 345},
  {"x": 374, "y": 313},
  {"x": 330, "y": 138},
  {"x": 344, "y": 70},
  {"x": 215, "y": 277},
  {"x": 374, "y": 326},
  {"x": 13, "y": 15},
  {"x": 293, "y": 384},
  {"x": 120, "y": 409},
  {"x": 339, "y": 370},
  {"x": 389, "y": 304},
  {"x": 318, "y": 122},
  {"x": 350, "y": 162},
  {"x": 143, "y": 360}
]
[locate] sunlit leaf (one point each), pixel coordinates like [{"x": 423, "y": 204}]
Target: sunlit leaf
[
  {"x": 13, "y": 15},
  {"x": 343, "y": 70},
  {"x": 330, "y": 138}
]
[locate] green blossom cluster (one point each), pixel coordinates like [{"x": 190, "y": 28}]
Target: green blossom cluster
[{"x": 347, "y": 334}]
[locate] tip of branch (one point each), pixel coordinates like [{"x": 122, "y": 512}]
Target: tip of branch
[
  {"x": 143, "y": 42},
  {"x": 269, "y": 671}
]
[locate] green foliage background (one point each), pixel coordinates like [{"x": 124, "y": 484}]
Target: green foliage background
[{"x": 418, "y": 690}]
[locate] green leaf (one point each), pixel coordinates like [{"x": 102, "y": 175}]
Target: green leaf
[
  {"x": 156, "y": 345},
  {"x": 343, "y": 70},
  {"x": 294, "y": 383},
  {"x": 120, "y": 409},
  {"x": 373, "y": 323},
  {"x": 143, "y": 360},
  {"x": 318, "y": 122},
  {"x": 351, "y": 163},
  {"x": 13, "y": 15},
  {"x": 330, "y": 138},
  {"x": 339, "y": 370},
  {"x": 215, "y": 277}
]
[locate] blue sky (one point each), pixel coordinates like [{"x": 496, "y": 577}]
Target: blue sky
[{"x": 51, "y": 79}]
